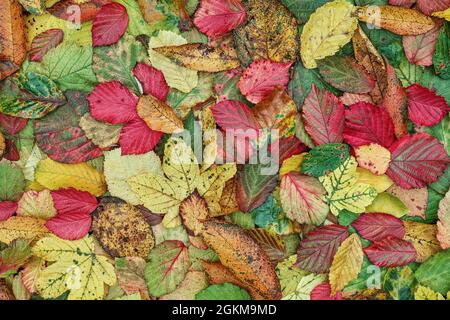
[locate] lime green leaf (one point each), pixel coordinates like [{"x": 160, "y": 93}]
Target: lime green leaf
[{"x": 225, "y": 291}]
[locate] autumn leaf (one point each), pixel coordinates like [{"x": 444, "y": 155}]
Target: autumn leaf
[
  {"x": 391, "y": 252},
  {"x": 346, "y": 263},
  {"x": 420, "y": 49},
  {"x": 110, "y": 23},
  {"x": 374, "y": 158},
  {"x": 328, "y": 29},
  {"x": 425, "y": 107},
  {"x": 36, "y": 204},
  {"x": 194, "y": 211},
  {"x": 44, "y": 42},
  {"x": 233, "y": 246},
  {"x": 377, "y": 226},
  {"x": 72, "y": 258},
  {"x": 443, "y": 225},
  {"x": 415, "y": 199},
  {"x": 130, "y": 274},
  {"x": 423, "y": 238},
  {"x": 152, "y": 81},
  {"x": 22, "y": 227}
]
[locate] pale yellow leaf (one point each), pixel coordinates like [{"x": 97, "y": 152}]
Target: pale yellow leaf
[
  {"x": 36, "y": 204},
  {"x": 374, "y": 158}
]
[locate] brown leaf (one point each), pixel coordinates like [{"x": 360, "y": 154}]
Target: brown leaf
[
  {"x": 5, "y": 292},
  {"x": 158, "y": 116},
  {"x": 367, "y": 56},
  {"x": 122, "y": 229},
  {"x": 12, "y": 38},
  {"x": 395, "y": 101},
  {"x": 275, "y": 111},
  {"x": 228, "y": 202},
  {"x": 194, "y": 211},
  {"x": 219, "y": 274},
  {"x": 423, "y": 238},
  {"x": 2, "y": 145},
  {"x": 402, "y": 21},
  {"x": 130, "y": 274},
  {"x": 239, "y": 252},
  {"x": 200, "y": 57},
  {"x": 272, "y": 243}
]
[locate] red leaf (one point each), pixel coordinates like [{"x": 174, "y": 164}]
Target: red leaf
[
  {"x": 287, "y": 147},
  {"x": 262, "y": 77},
  {"x": 217, "y": 17},
  {"x": 323, "y": 292},
  {"x": 391, "y": 252},
  {"x": 137, "y": 138},
  {"x": 65, "y": 9},
  {"x": 45, "y": 41},
  {"x": 394, "y": 101},
  {"x": 71, "y": 201},
  {"x": 376, "y": 226},
  {"x": 366, "y": 124},
  {"x": 152, "y": 80},
  {"x": 430, "y": 6},
  {"x": 7, "y": 209},
  {"x": 235, "y": 115},
  {"x": 324, "y": 116},
  {"x": 417, "y": 160},
  {"x": 70, "y": 226},
  {"x": 402, "y": 3},
  {"x": 12, "y": 125},
  {"x": 317, "y": 250},
  {"x": 109, "y": 25},
  {"x": 113, "y": 102},
  {"x": 425, "y": 107},
  {"x": 11, "y": 153},
  {"x": 420, "y": 49}
]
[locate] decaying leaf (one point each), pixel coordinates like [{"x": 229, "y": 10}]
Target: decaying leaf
[{"x": 423, "y": 238}]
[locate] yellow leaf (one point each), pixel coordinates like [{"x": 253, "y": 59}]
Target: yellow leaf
[
  {"x": 200, "y": 57},
  {"x": 212, "y": 183},
  {"x": 54, "y": 175},
  {"x": 21, "y": 227},
  {"x": 36, "y": 204},
  {"x": 374, "y": 158},
  {"x": 177, "y": 77},
  {"x": 442, "y": 14},
  {"x": 387, "y": 203},
  {"x": 423, "y": 238},
  {"x": 344, "y": 191},
  {"x": 77, "y": 268},
  {"x": 158, "y": 116},
  {"x": 425, "y": 293},
  {"x": 399, "y": 20},
  {"x": 327, "y": 30},
  {"x": 380, "y": 183},
  {"x": 346, "y": 263},
  {"x": 119, "y": 168},
  {"x": 293, "y": 163},
  {"x": 209, "y": 138},
  {"x": 171, "y": 218}
]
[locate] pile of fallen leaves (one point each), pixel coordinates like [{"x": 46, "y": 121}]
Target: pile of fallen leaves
[{"x": 102, "y": 198}]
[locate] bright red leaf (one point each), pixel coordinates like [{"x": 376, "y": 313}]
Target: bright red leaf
[
  {"x": 425, "y": 107},
  {"x": 71, "y": 201},
  {"x": 366, "y": 124},
  {"x": 417, "y": 161},
  {"x": 152, "y": 80},
  {"x": 317, "y": 250},
  {"x": 235, "y": 115},
  {"x": 323, "y": 292},
  {"x": 113, "y": 102},
  {"x": 391, "y": 252},
  {"x": 430, "y": 6},
  {"x": 137, "y": 138},
  {"x": 7, "y": 209},
  {"x": 70, "y": 226},
  {"x": 324, "y": 116},
  {"x": 262, "y": 77},
  {"x": 376, "y": 226},
  {"x": 217, "y": 17},
  {"x": 109, "y": 25},
  {"x": 45, "y": 41}
]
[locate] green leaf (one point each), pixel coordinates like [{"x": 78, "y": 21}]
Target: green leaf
[
  {"x": 441, "y": 131},
  {"x": 367, "y": 277},
  {"x": 302, "y": 9},
  {"x": 441, "y": 59},
  {"x": 435, "y": 272},
  {"x": 325, "y": 158},
  {"x": 400, "y": 282},
  {"x": 69, "y": 66},
  {"x": 14, "y": 256},
  {"x": 346, "y": 218},
  {"x": 30, "y": 96},
  {"x": 388, "y": 44},
  {"x": 12, "y": 182},
  {"x": 269, "y": 215},
  {"x": 117, "y": 62},
  {"x": 167, "y": 266},
  {"x": 436, "y": 192},
  {"x": 224, "y": 291},
  {"x": 289, "y": 275},
  {"x": 245, "y": 220}
]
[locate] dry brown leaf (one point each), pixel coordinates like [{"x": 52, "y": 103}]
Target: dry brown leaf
[
  {"x": 200, "y": 57},
  {"x": 415, "y": 200},
  {"x": 2, "y": 145},
  {"x": 5, "y": 292},
  {"x": 402, "y": 21},
  {"x": 367, "y": 56},
  {"x": 272, "y": 243},
  {"x": 423, "y": 238},
  {"x": 239, "y": 252},
  {"x": 346, "y": 264},
  {"x": 122, "y": 229},
  {"x": 12, "y": 38},
  {"x": 194, "y": 211},
  {"x": 219, "y": 274},
  {"x": 228, "y": 202},
  {"x": 270, "y": 33},
  {"x": 158, "y": 116},
  {"x": 276, "y": 111}
]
